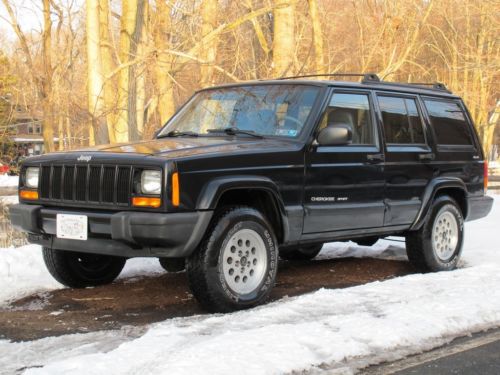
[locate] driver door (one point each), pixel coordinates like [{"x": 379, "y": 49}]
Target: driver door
[{"x": 344, "y": 187}]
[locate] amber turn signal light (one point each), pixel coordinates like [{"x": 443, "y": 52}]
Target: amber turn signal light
[
  {"x": 175, "y": 189},
  {"x": 28, "y": 194},
  {"x": 146, "y": 202}
]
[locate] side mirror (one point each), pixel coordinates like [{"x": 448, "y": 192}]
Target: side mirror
[{"x": 335, "y": 135}]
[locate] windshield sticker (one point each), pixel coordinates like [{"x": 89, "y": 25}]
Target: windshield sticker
[{"x": 287, "y": 132}]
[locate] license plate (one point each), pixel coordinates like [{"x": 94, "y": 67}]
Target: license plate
[{"x": 74, "y": 227}]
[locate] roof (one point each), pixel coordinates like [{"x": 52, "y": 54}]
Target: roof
[{"x": 422, "y": 89}]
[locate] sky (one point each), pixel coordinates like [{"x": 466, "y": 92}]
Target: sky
[{"x": 29, "y": 16}]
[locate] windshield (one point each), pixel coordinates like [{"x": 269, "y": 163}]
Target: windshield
[{"x": 272, "y": 110}]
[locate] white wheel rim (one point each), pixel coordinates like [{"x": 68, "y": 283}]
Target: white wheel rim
[
  {"x": 244, "y": 261},
  {"x": 445, "y": 235}
]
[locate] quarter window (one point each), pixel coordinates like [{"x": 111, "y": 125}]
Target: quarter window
[
  {"x": 449, "y": 122},
  {"x": 402, "y": 124},
  {"x": 352, "y": 110}
]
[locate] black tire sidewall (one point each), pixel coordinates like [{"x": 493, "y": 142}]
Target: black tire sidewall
[
  {"x": 64, "y": 267},
  {"x": 225, "y": 228},
  {"x": 433, "y": 261}
]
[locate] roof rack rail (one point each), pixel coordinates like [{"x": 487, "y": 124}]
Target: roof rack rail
[
  {"x": 435, "y": 85},
  {"x": 371, "y": 78},
  {"x": 368, "y": 77}
]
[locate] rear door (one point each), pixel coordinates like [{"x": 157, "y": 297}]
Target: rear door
[
  {"x": 344, "y": 187},
  {"x": 409, "y": 156}
]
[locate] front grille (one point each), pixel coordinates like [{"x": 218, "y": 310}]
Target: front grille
[{"x": 98, "y": 184}]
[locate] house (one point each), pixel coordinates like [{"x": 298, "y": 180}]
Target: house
[{"x": 22, "y": 131}]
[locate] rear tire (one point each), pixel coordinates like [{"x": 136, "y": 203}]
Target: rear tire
[
  {"x": 437, "y": 245},
  {"x": 81, "y": 270},
  {"x": 173, "y": 264},
  {"x": 235, "y": 266},
  {"x": 301, "y": 253}
]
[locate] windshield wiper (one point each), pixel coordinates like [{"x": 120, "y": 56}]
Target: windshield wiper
[
  {"x": 232, "y": 130},
  {"x": 178, "y": 133}
]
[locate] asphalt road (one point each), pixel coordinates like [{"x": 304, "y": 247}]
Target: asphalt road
[{"x": 475, "y": 355}]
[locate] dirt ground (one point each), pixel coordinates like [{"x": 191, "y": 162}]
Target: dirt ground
[{"x": 139, "y": 301}]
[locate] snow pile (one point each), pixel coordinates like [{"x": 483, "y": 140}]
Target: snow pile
[
  {"x": 8, "y": 181},
  {"x": 384, "y": 249},
  {"x": 22, "y": 272},
  {"x": 340, "y": 330},
  {"x": 7, "y": 200},
  {"x": 382, "y": 320}
]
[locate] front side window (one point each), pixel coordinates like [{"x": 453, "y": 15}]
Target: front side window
[
  {"x": 448, "y": 122},
  {"x": 353, "y": 111},
  {"x": 402, "y": 124},
  {"x": 273, "y": 110}
]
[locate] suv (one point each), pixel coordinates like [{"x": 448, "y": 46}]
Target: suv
[{"x": 245, "y": 173}]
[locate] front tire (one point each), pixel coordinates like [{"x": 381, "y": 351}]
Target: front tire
[
  {"x": 437, "y": 246},
  {"x": 236, "y": 264},
  {"x": 81, "y": 270}
]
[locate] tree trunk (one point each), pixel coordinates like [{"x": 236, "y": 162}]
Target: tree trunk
[
  {"x": 107, "y": 68},
  {"x": 163, "y": 66},
  {"x": 209, "y": 52},
  {"x": 94, "y": 72},
  {"x": 132, "y": 21},
  {"x": 284, "y": 37},
  {"x": 317, "y": 37},
  {"x": 46, "y": 87},
  {"x": 489, "y": 136}
]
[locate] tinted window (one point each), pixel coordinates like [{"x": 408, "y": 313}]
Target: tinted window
[
  {"x": 402, "y": 123},
  {"x": 449, "y": 122},
  {"x": 352, "y": 110}
]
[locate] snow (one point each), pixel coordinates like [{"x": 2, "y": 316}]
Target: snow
[
  {"x": 8, "y": 181},
  {"x": 338, "y": 330},
  {"x": 17, "y": 282},
  {"x": 7, "y": 200}
]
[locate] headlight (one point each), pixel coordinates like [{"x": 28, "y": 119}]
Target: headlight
[
  {"x": 31, "y": 177},
  {"x": 151, "y": 182}
]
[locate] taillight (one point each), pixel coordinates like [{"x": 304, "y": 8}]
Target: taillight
[{"x": 485, "y": 176}]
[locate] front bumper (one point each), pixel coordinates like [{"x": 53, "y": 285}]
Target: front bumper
[{"x": 129, "y": 234}]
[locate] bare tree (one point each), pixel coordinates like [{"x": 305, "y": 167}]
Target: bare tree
[
  {"x": 284, "y": 37},
  {"x": 43, "y": 81}
]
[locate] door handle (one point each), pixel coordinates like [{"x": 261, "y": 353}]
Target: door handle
[
  {"x": 426, "y": 157},
  {"x": 375, "y": 158}
]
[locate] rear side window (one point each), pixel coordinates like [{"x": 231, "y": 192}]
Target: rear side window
[
  {"x": 449, "y": 122},
  {"x": 402, "y": 123}
]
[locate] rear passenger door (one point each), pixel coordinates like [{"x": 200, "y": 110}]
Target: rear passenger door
[{"x": 409, "y": 156}]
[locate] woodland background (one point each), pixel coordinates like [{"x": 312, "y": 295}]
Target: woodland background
[{"x": 99, "y": 71}]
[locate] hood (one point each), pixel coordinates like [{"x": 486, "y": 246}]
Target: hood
[{"x": 185, "y": 147}]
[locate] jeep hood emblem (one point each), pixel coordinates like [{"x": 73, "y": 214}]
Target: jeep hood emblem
[{"x": 86, "y": 158}]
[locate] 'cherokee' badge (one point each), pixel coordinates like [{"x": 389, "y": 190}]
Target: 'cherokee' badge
[{"x": 86, "y": 158}]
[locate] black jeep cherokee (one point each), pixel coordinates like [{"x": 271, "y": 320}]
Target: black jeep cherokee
[{"x": 245, "y": 173}]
